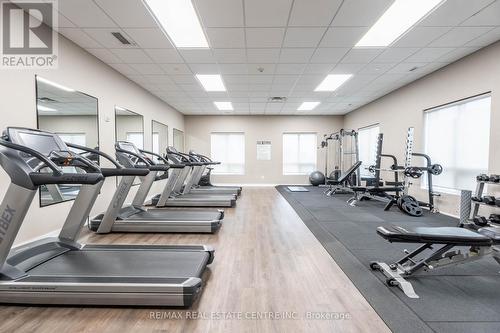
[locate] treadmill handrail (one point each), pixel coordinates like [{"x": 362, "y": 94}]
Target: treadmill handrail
[
  {"x": 95, "y": 151},
  {"x": 140, "y": 157},
  {"x": 163, "y": 159},
  {"x": 56, "y": 171}
]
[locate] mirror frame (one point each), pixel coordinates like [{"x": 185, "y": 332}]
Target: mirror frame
[{"x": 38, "y": 127}]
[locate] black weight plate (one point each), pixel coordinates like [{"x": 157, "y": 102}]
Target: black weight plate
[{"x": 411, "y": 208}]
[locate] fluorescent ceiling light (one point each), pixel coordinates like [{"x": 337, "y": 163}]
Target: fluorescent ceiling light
[
  {"x": 180, "y": 22},
  {"x": 44, "y": 108},
  {"x": 119, "y": 108},
  {"x": 332, "y": 82},
  {"x": 307, "y": 106},
  {"x": 224, "y": 106},
  {"x": 398, "y": 19},
  {"x": 53, "y": 84},
  {"x": 211, "y": 82}
]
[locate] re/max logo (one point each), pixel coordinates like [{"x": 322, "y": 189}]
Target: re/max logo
[{"x": 5, "y": 220}]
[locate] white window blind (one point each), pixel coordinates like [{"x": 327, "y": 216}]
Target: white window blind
[
  {"x": 156, "y": 142},
  {"x": 229, "y": 149},
  {"x": 75, "y": 138},
  {"x": 367, "y": 141},
  {"x": 457, "y": 137},
  {"x": 299, "y": 153},
  {"x": 137, "y": 138}
]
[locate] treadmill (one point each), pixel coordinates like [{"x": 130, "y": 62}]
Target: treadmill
[
  {"x": 192, "y": 183},
  {"x": 61, "y": 271},
  {"x": 172, "y": 196},
  {"x": 134, "y": 217}
]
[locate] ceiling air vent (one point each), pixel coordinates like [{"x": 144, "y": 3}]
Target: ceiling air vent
[
  {"x": 276, "y": 99},
  {"x": 121, "y": 38}
]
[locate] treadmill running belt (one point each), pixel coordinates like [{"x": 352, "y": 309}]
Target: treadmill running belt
[
  {"x": 125, "y": 263},
  {"x": 172, "y": 215}
]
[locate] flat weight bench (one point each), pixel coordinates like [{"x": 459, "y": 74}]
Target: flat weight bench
[
  {"x": 437, "y": 250},
  {"x": 336, "y": 185},
  {"x": 379, "y": 192}
]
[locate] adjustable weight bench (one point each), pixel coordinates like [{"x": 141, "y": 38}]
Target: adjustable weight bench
[
  {"x": 438, "y": 249},
  {"x": 337, "y": 185}
]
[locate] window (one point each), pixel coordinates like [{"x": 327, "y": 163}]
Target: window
[
  {"x": 367, "y": 142},
  {"x": 229, "y": 149},
  {"x": 299, "y": 153},
  {"x": 156, "y": 142},
  {"x": 75, "y": 138},
  {"x": 137, "y": 138},
  {"x": 457, "y": 137}
]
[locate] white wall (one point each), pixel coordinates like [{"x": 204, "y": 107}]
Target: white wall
[
  {"x": 473, "y": 75},
  {"x": 259, "y": 128},
  {"x": 83, "y": 72}
]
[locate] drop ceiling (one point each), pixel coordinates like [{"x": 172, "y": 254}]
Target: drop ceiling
[{"x": 265, "y": 48}]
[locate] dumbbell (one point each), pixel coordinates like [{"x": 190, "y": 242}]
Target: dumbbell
[
  {"x": 483, "y": 177},
  {"x": 489, "y": 200},
  {"x": 476, "y": 199},
  {"x": 494, "y": 178},
  {"x": 480, "y": 221},
  {"x": 495, "y": 218}
]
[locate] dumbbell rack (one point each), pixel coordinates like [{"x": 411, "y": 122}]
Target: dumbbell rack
[{"x": 479, "y": 193}]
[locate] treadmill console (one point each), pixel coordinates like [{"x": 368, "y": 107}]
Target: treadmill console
[
  {"x": 44, "y": 142},
  {"x": 128, "y": 146}
]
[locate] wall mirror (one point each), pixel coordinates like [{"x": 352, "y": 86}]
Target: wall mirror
[
  {"x": 72, "y": 115},
  {"x": 159, "y": 137},
  {"x": 129, "y": 126},
  {"x": 178, "y": 140}
]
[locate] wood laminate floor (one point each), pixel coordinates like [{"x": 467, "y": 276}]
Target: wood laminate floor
[{"x": 267, "y": 263}]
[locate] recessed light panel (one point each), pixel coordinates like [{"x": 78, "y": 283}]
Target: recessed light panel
[
  {"x": 332, "y": 82},
  {"x": 224, "y": 106},
  {"x": 308, "y": 106},
  {"x": 211, "y": 82}
]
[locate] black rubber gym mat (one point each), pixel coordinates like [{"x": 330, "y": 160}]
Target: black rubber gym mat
[{"x": 464, "y": 298}]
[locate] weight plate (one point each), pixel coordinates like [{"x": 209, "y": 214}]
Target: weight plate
[{"x": 411, "y": 208}]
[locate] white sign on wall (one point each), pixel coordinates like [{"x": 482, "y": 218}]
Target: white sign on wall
[{"x": 263, "y": 150}]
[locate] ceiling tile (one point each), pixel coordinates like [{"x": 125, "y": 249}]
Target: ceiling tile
[
  {"x": 127, "y": 13},
  {"x": 290, "y": 68},
  {"x": 226, "y": 37},
  {"x": 204, "y": 68},
  {"x": 105, "y": 55},
  {"x": 124, "y": 69},
  {"x": 356, "y": 56},
  {"x": 429, "y": 54},
  {"x": 405, "y": 67},
  {"x": 457, "y": 54},
  {"x": 176, "y": 69},
  {"x": 318, "y": 68},
  {"x": 79, "y": 37},
  {"x": 376, "y": 68},
  {"x": 233, "y": 68},
  {"x": 486, "y": 39},
  {"x": 329, "y": 55},
  {"x": 197, "y": 56},
  {"x": 359, "y": 13},
  {"x": 147, "y": 68},
  {"x": 149, "y": 38},
  {"x": 85, "y": 14},
  {"x": 303, "y": 37},
  {"x": 104, "y": 37},
  {"x": 220, "y": 13},
  {"x": 295, "y": 55},
  {"x": 347, "y": 68},
  {"x": 342, "y": 36},
  {"x": 420, "y": 36},
  {"x": 265, "y": 13},
  {"x": 263, "y": 55},
  {"x": 132, "y": 56},
  {"x": 459, "y": 36},
  {"x": 261, "y": 69},
  {"x": 158, "y": 79},
  {"x": 487, "y": 17},
  {"x": 226, "y": 56},
  {"x": 316, "y": 13},
  {"x": 63, "y": 22},
  {"x": 264, "y": 37},
  {"x": 452, "y": 13},
  {"x": 164, "y": 56},
  {"x": 392, "y": 55}
]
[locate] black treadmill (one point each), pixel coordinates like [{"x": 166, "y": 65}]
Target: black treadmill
[{"x": 60, "y": 270}]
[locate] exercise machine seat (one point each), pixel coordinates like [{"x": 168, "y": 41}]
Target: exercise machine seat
[
  {"x": 434, "y": 235},
  {"x": 491, "y": 232},
  {"x": 346, "y": 176}
]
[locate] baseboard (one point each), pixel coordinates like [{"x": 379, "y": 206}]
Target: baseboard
[
  {"x": 53, "y": 233},
  {"x": 249, "y": 185}
]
